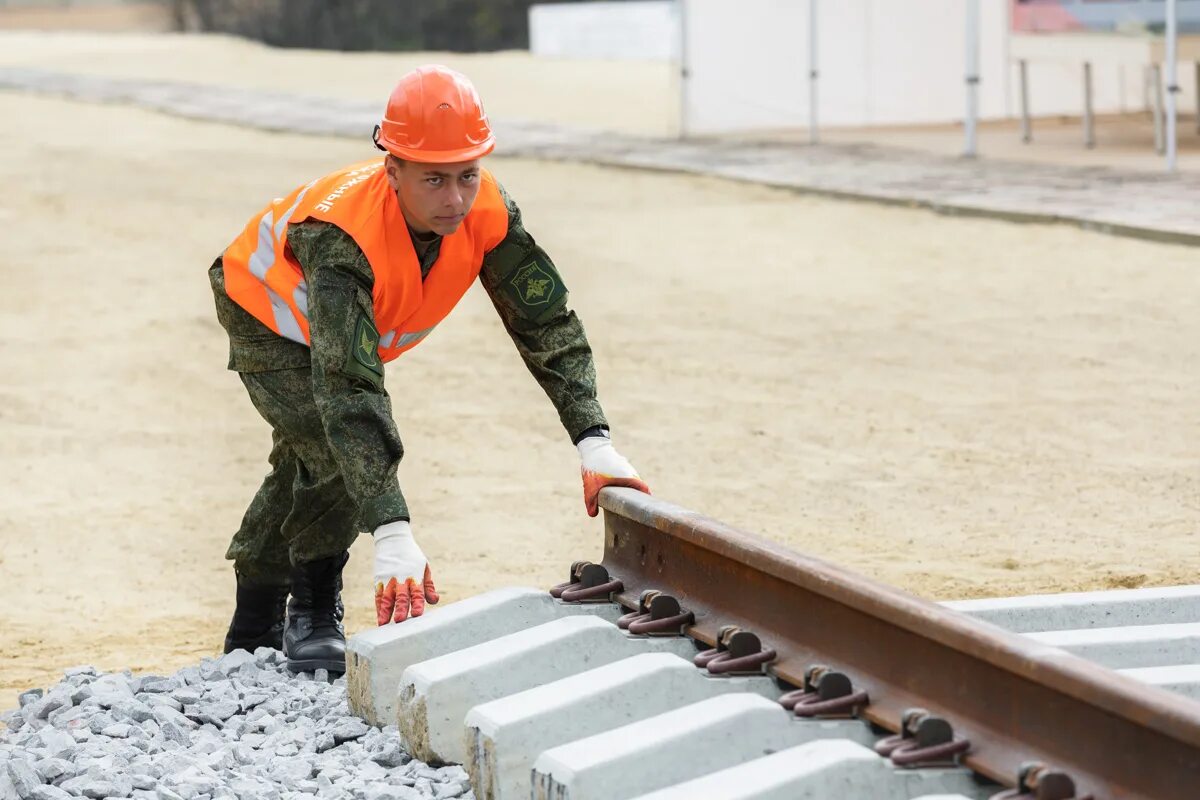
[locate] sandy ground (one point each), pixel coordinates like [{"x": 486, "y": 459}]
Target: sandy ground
[
  {"x": 125, "y": 16},
  {"x": 959, "y": 407},
  {"x": 630, "y": 97}
]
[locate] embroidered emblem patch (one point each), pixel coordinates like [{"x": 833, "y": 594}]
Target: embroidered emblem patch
[
  {"x": 364, "y": 349},
  {"x": 533, "y": 286}
]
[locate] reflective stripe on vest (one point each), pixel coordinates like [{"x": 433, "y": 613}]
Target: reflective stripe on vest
[
  {"x": 263, "y": 258},
  {"x": 406, "y": 338},
  {"x": 264, "y": 277}
]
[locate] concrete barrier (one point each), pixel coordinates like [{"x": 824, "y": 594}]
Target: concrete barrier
[
  {"x": 376, "y": 658},
  {"x": 679, "y": 745},
  {"x": 1075, "y": 610},
  {"x": 831, "y": 769},
  {"x": 505, "y": 736},
  {"x": 1126, "y": 648},
  {"x": 1184, "y": 679},
  {"x": 435, "y": 695}
]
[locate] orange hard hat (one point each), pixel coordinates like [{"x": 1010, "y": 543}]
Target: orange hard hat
[{"x": 435, "y": 116}]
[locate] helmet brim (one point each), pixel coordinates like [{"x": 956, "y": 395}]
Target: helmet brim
[{"x": 438, "y": 156}]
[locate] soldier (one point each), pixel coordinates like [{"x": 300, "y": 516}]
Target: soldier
[{"x": 325, "y": 285}]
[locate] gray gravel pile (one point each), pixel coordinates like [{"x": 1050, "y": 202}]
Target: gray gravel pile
[{"x": 239, "y": 726}]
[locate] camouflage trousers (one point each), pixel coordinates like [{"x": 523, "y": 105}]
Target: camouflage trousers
[{"x": 302, "y": 511}]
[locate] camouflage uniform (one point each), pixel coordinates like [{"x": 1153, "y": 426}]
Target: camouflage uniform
[{"x": 335, "y": 445}]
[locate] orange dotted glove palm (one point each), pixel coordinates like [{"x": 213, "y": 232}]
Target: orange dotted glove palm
[
  {"x": 604, "y": 466},
  {"x": 403, "y": 584}
]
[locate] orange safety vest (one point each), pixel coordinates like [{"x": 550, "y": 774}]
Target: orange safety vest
[{"x": 263, "y": 277}]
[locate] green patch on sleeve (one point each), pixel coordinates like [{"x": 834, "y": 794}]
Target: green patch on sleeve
[
  {"x": 364, "y": 360},
  {"x": 535, "y": 287}
]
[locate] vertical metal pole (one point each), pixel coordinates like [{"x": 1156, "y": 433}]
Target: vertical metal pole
[
  {"x": 1089, "y": 136},
  {"x": 1156, "y": 91},
  {"x": 813, "y": 136},
  {"x": 1172, "y": 78},
  {"x": 1007, "y": 70},
  {"x": 1026, "y": 127},
  {"x": 970, "y": 146},
  {"x": 681, "y": 5}
]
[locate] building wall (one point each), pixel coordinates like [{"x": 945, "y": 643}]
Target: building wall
[
  {"x": 881, "y": 62},
  {"x": 1101, "y": 15},
  {"x": 646, "y": 30}
]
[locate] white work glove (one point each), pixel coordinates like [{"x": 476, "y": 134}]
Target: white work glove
[
  {"x": 604, "y": 466},
  {"x": 403, "y": 584}
]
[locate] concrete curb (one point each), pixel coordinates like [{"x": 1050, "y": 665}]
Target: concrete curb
[
  {"x": 435, "y": 695},
  {"x": 505, "y": 736},
  {"x": 823, "y": 770},
  {"x": 679, "y": 745},
  {"x": 1149, "y": 206},
  {"x": 377, "y": 658}
]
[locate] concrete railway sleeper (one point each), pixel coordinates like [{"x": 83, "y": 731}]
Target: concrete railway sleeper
[{"x": 696, "y": 661}]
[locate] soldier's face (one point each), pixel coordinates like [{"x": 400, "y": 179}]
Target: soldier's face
[{"x": 434, "y": 197}]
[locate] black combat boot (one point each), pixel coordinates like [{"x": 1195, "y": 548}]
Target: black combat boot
[
  {"x": 258, "y": 618},
  {"x": 314, "y": 637}
]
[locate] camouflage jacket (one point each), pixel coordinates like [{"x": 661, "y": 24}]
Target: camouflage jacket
[{"x": 354, "y": 405}]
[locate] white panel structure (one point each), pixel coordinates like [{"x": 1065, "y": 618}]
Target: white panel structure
[
  {"x": 880, "y": 62},
  {"x": 883, "y": 62},
  {"x": 640, "y": 30},
  {"x": 745, "y": 63}
]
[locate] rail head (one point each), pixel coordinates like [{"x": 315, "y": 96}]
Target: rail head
[{"x": 1017, "y": 699}]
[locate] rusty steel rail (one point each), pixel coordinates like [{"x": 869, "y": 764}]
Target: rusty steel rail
[{"x": 1015, "y": 700}]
